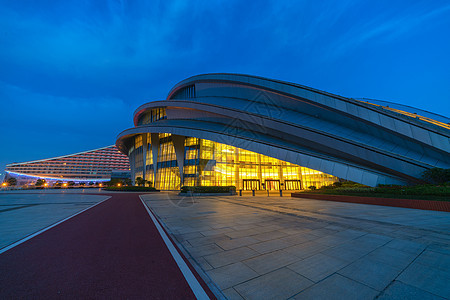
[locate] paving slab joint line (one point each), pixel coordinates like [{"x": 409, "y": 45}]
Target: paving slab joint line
[
  {"x": 400, "y": 273},
  {"x": 216, "y": 290},
  {"x": 337, "y": 272}
]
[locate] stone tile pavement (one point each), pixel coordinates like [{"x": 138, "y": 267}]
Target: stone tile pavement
[
  {"x": 284, "y": 248},
  {"x": 25, "y": 212}
]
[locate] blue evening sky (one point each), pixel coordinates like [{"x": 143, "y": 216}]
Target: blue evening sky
[{"x": 72, "y": 72}]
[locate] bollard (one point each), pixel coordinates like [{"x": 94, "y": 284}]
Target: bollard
[
  {"x": 253, "y": 193},
  {"x": 281, "y": 193},
  {"x": 240, "y": 192},
  {"x": 268, "y": 193}
]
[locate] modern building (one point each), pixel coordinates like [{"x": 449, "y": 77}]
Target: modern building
[
  {"x": 258, "y": 133},
  {"x": 88, "y": 166}
]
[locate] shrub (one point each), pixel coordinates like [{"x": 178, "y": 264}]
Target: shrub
[
  {"x": 390, "y": 186},
  {"x": 327, "y": 187},
  {"x": 208, "y": 189},
  {"x": 312, "y": 187}
]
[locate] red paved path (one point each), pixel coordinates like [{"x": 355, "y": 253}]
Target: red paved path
[{"x": 110, "y": 251}]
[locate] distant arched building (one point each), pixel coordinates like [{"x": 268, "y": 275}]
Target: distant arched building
[{"x": 253, "y": 132}]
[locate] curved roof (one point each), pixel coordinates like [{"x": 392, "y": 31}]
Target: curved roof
[{"x": 341, "y": 136}]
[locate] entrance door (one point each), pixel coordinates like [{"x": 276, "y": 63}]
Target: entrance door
[
  {"x": 272, "y": 184},
  {"x": 292, "y": 184},
  {"x": 251, "y": 184}
]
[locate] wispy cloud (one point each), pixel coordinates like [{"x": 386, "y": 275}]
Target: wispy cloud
[{"x": 386, "y": 27}]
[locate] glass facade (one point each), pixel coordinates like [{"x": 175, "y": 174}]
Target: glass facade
[
  {"x": 208, "y": 163},
  {"x": 153, "y": 116}
]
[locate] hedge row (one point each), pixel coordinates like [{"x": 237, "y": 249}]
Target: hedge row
[
  {"x": 208, "y": 189},
  {"x": 434, "y": 190}
]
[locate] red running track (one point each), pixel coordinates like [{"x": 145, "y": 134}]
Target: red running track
[{"x": 111, "y": 251}]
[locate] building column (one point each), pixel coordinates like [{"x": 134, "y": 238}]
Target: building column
[
  {"x": 132, "y": 165},
  {"x": 300, "y": 177},
  {"x": 178, "y": 144},
  {"x": 144, "y": 154},
  {"x": 258, "y": 170},
  {"x": 236, "y": 169},
  {"x": 280, "y": 175},
  {"x": 154, "y": 140}
]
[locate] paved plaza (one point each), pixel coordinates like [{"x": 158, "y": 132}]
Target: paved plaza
[
  {"x": 284, "y": 248},
  {"x": 25, "y": 212},
  {"x": 259, "y": 247}
]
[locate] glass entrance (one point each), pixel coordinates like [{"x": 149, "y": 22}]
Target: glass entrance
[
  {"x": 292, "y": 184},
  {"x": 251, "y": 184},
  {"x": 272, "y": 184}
]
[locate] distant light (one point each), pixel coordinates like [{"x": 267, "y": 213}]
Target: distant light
[
  {"x": 119, "y": 184},
  {"x": 65, "y": 184},
  {"x": 4, "y": 184}
]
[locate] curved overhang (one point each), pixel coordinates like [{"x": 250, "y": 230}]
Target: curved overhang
[
  {"x": 340, "y": 104},
  {"x": 340, "y": 136},
  {"x": 318, "y": 137}
]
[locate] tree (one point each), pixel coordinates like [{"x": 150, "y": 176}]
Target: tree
[
  {"x": 140, "y": 181},
  {"x": 436, "y": 175},
  {"x": 11, "y": 181},
  {"x": 82, "y": 183},
  {"x": 91, "y": 183},
  {"x": 58, "y": 183},
  {"x": 127, "y": 181},
  {"x": 71, "y": 183},
  {"x": 40, "y": 182}
]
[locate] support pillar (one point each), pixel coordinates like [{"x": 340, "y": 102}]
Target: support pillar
[
  {"x": 154, "y": 140},
  {"x": 236, "y": 169},
  {"x": 280, "y": 175},
  {"x": 144, "y": 154},
  {"x": 178, "y": 144},
  {"x": 258, "y": 170}
]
